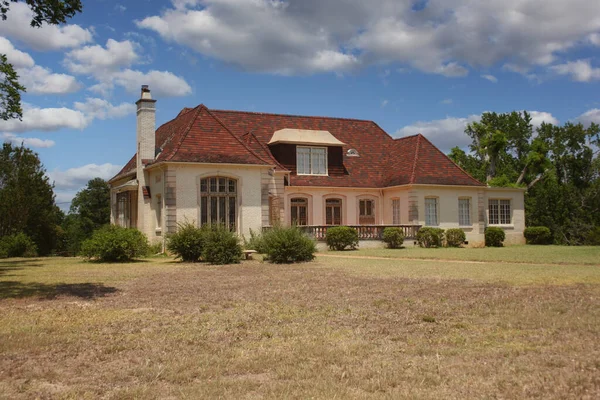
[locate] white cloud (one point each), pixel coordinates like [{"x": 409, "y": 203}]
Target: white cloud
[
  {"x": 446, "y": 101},
  {"x": 97, "y": 60},
  {"x": 17, "y": 58},
  {"x": 589, "y": 116},
  {"x": 443, "y": 37},
  {"x": 162, "y": 83},
  {"x": 79, "y": 176},
  {"x": 444, "y": 133},
  {"x": 96, "y": 108},
  {"x": 45, "y": 119},
  {"x": 594, "y": 39},
  {"x": 29, "y": 142},
  {"x": 48, "y": 37},
  {"x": 449, "y": 132},
  {"x": 490, "y": 78},
  {"x": 40, "y": 80},
  {"x": 384, "y": 103},
  {"x": 580, "y": 70}
]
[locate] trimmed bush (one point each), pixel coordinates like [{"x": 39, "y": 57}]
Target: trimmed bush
[
  {"x": 494, "y": 236},
  {"x": 455, "y": 237},
  {"x": 113, "y": 243},
  {"x": 341, "y": 237},
  {"x": 430, "y": 237},
  {"x": 19, "y": 245},
  {"x": 537, "y": 235},
  {"x": 221, "y": 246},
  {"x": 187, "y": 243},
  {"x": 255, "y": 242},
  {"x": 393, "y": 237},
  {"x": 285, "y": 245}
]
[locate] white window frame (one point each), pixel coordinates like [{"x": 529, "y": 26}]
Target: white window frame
[
  {"x": 462, "y": 214},
  {"x": 428, "y": 212},
  {"x": 500, "y": 218},
  {"x": 311, "y": 149}
]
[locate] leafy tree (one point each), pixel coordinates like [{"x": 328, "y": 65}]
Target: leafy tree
[
  {"x": 90, "y": 210},
  {"x": 51, "y": 12},
  {"x": 27, "y": 198}
]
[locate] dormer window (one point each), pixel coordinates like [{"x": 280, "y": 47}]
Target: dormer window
[{"x": 311, "y": 160}]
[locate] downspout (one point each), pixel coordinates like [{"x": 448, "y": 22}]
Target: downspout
[{"x": 381, "y": 206}]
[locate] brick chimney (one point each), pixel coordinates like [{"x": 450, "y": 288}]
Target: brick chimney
[{"x": 146, "y": 127}]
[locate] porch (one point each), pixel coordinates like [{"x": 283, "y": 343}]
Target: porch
[{"x": 365, "y": 232}]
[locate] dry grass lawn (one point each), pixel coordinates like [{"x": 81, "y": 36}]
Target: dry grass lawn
[{"x": 336, "y": 328}]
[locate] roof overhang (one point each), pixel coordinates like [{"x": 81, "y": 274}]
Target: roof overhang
[
  {"x": 127, "y": 186},
  {"x": 305, "y": 136}
]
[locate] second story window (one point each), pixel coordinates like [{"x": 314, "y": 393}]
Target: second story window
[{"x": 311, "y": 160}]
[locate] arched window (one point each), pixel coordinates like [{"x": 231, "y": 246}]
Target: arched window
[
  {"x": 218, "y": 199},
  {"x": 333, "y": 212},
  {"x": 299, "y": 211}
]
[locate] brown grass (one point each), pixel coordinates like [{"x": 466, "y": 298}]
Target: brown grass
[{"x": 304, "y": 331}]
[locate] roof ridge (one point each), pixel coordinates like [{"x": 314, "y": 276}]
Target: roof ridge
[
  {"x": 414, "y": 167},
  {"x": 452, "y": 161},
  {"x": 296, "y": 115},
  {"x": 185, "y": 131},
  {"x": 235, "y": 137},
  {"x": 266, "y": 149}
]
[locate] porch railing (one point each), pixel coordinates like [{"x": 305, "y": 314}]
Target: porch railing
[{"x": 365, "y": 232}]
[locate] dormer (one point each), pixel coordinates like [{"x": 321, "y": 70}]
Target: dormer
[{"x": 307, "y": 152}]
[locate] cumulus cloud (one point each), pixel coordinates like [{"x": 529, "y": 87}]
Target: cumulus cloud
[
  {"x": 29, "y": 142},
  {"x": 449, "y": 132},
  {"x": 96, "y": 108},
  {"x": 45, "y": 119},
  {"x": 97, "y": 60},
  {"x": 589, "y": 116},
  {"x": 40, "y": 80},
  {"x": 442, "y": 37},
  {"x": 17, "y": 58},
  {"x": 580, "y": 70},
  {"x": 490, "y": 78},
  {"x": 162, "y": 83},
  {"x": 48, "y": 37},
  {"x": 79, "y": 176}
]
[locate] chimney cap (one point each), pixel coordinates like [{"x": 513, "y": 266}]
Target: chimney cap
[{"x": 145, "y": 88}]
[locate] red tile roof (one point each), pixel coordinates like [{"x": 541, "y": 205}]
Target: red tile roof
[{"x": 239, "y": 137}]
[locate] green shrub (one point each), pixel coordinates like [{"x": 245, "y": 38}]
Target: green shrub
[
  {"x": 494, "y": 236},
  {"x": 155, "y": 248},
  {"x": 284, "y": 245},
  {"x": 187, "y": 243},
  {"x": 455, "y": 237},
  {"x": 341, "y": 237},
  {"x": 19, "y": 245},
  {"x": 255, "y": 242},
  {"x": 393, "y": 237},
  {"x": 113, "y": 243},
  {"x": 537, "y": 235},
  {"x": 430, "y": 237},
  {"x": 221, "y": 246}
]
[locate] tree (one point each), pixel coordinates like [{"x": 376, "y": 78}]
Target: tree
[
  {"x": 51, "y": 12},
  {"x": 27, "y": 198},
  {"x": 90, "y": 210}
]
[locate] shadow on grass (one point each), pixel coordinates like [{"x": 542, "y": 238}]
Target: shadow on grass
[{"x": 88, "y": 291}]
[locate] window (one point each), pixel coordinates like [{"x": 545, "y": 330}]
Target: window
[
  {"x": 299, "y": 207},
  {"x": 311, "y": 160},
  {"x": 123, "y": 209},
  {"x": 396, "y": 211},
  {"x": 499, "y": 212},
  {"x": 366, "y": 212},
  {"x": 158, "y": 211},
  {"x": 464, "y": 212},
  {"x": 218, "y": 199},
  {"x": 431, "y": 211},
  {"x": 333, "y": 212}
]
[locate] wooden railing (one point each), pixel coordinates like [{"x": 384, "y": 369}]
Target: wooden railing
[{"x": 365, "y": 232}]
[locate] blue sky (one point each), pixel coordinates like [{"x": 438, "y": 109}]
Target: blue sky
[{"x": 428, "y": 66}]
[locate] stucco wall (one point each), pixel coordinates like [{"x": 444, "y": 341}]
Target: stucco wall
[{"x": 514, "y": 230}]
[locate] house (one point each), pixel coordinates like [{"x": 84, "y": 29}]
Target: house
[{"x": 252, "y": 170}]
